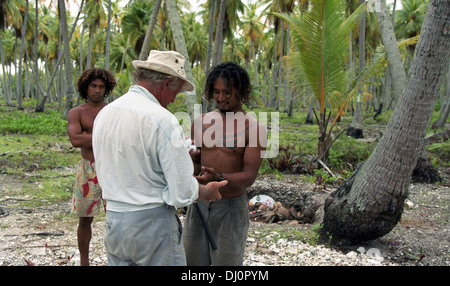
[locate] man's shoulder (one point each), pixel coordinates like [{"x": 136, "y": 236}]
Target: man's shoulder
[{"x": 77, "y": 109}]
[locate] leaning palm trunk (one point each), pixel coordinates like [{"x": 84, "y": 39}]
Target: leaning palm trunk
[
  {"x": 424, "y": 171},
  {"x": 180, "y": 43},
  {"x": 145, "y": 50},
  {"x": 41, "y": 105},
  {"x": 396, "y": 67},
  {"x": 370, "y": 203}
]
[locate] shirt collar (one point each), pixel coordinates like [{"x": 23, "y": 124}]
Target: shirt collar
[{"x": 142, "y": 90}]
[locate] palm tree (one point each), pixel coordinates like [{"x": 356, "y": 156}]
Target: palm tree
[
  {"x": 252, "y": 31},
  {"x": 219, "y": 39},
  {"x": 196, "y": 39},
  {"x": 67, "y": 58},
  {"x": 146, "y": 45},
  {"x": 370, "y": 203},
  {"x": 59, "y": 56},
  {"x": 108, "y": 35},
  {"x": 180, "y": 43},
  {"x": 235, "y": 50},
  {"x": 320, "y": 37},
  {"x": 6, "y": 44},
  {"x": 36, "y": 50},
  {"x": 409, "y": 20},
  {"x": 396, "y": 67},
  {"x": 211, "y": 23},
  {"x": 4, "y": 80},
  {"x": 355, "y": 128},
  {"x": 96, "y": 15},
  {"x": 21, "y": 56},
  {"x": 280, "y": 47},
  {"x": 136, "y": 16}
]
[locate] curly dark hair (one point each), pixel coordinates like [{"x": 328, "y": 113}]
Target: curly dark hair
[
  {"x": 92, "y": 74},
  {"x": 234, "y": 76}
]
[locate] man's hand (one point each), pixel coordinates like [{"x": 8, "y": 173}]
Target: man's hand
[
  {"x": 208, "y": 175},
  {"x": 210, "y": 192}
]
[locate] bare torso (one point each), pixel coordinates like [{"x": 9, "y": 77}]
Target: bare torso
[
  {"x": 81, "y": 122},
  {"x": 230, "y": 152}
]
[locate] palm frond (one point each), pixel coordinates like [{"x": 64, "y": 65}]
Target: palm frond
[{"x": 321, "y": 35}]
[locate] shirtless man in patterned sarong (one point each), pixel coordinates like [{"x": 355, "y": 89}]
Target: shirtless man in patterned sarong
[{"x": 94, "y": 85}]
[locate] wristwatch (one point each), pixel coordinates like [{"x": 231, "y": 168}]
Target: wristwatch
[{"x": 220, "y": 177}]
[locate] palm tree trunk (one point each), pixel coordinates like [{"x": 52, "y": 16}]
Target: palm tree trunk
[
  {"x": 289, "y": 94},
  {"x": 83, "y": 29},
  {"x": 274, "y": 73},
  {"x": 89, "y": 51},
  {"x": 36, "y": 55},
  {"x": 396, "y": 67},
  {"x": 385, "y": 99},
  {"x": 280, "y": 62},
  {"x": 108, "y": 36},
  {"x": 67, "y": 59},
  {"x": 21, "y": 57},
  {"x": 212, "y": 20},
  {"x": 212, "y": 16},
  {"x": 145, "y": 50},
  {"x": 355, "y": 128},
  {"x": 40, "y": 107},
  {"x": 218, "y": 43},
  {"x": 4, "y": 81},
  {"x": 370, "y": 203},
  {"x": 180, "y": 43}
]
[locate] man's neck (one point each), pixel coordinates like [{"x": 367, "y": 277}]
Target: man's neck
[
  {"x": 95, "y": 104},
  {"x": 223, "y": 113}
]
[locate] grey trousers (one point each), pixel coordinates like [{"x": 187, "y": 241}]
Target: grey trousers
[
  {"x": 228, "y": 221},
  {"x": 148, "y": 238}
]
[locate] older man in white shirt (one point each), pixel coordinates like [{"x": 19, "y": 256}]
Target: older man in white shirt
[{"x": 144, "y": 168}]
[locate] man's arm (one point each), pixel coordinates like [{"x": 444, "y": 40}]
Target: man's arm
[
  {"x": 78, "y": 138},
  {"x": 245, "y": 178}
]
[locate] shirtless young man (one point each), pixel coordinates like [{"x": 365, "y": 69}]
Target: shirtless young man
[
  {"x": 231, "y": 143},
  {"x": 93, "y": 85}
]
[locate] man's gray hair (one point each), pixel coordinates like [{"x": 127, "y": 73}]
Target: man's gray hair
[{"x": 154, "y": 77}]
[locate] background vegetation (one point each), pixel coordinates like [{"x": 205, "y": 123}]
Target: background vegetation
[{"x": 111, "y": 34}]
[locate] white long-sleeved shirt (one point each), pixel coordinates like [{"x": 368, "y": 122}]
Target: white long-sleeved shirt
[{"x": 140, "y": 157}]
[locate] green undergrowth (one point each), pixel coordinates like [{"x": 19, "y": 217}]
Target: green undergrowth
[{"x": 35, "y": 147}]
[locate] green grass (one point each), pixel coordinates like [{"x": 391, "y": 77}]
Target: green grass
[
  {"x": 36, "y": 152},
  {"x": 27, "y": 153},
  {"x": 49, "y": 122}
]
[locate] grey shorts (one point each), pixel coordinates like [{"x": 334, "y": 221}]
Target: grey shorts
[
  {"x": 148, "y": 238},
  {"x": 228, "y": 221}
]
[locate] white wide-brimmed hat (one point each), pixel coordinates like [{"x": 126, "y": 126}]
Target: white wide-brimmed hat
[{"x": 168, "y": 62}]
